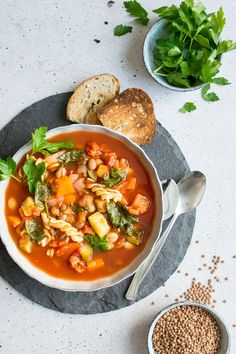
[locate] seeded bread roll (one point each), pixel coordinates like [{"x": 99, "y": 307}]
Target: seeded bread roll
[
  {"x": 132, "y": 114},
  {"x": 90, "y": 96}
]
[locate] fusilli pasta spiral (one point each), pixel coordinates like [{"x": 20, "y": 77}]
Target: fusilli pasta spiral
[
  {"x": 62, "y": 225},
  {"x": 104, "y": 192}
]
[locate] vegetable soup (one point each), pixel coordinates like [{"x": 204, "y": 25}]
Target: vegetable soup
[{"x": 80, "y": 205}]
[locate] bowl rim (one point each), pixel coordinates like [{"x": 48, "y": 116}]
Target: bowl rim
[
  {"x": 156, "y": 77},
  {"x": 207, "y": 308},
  {"x": 68, "y": 284}
]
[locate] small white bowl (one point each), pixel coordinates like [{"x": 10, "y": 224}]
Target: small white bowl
[
  {"x": 225, "y": 336},
  {"x": 71, "y": 285},
  {"x": 158, "y": 31}
]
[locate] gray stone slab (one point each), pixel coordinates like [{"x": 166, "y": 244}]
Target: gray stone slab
[{"x": 169, "y": 161}]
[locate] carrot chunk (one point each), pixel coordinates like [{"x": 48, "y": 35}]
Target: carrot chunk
[
  {"x": 95, "y": 264},
  {"x": 64, "y": 186},
  {"x": 102, "y": 170},
  {"x": 14, "y": 220}
]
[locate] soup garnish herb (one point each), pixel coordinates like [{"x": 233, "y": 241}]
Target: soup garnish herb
[
  {"x": 7, "y": 168},
  {"x": 40, "y": 144}
]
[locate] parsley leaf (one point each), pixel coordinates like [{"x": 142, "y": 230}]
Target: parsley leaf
[
  {"x": 220, "y": 81},
  {"x": 115, "y": 177},
  {"x": 188, "y": 107},
  {"x": 136, "y": 10},
  {"x": 40, "y": 144},
  {"x": 189, "y": 50},
  {"x": 167, "y": 12},
  {"x": 7, "y": 168},
  {"x": 98, "y": 243},
  {"x": 120, "y": 30},
  {"x": 34, "y": 173},
  {"x": 211, "y": 96},
  {"x": 226, "y": 46}
]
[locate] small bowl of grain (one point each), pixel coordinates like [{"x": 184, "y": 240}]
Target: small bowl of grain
[{"x": 188, "y": 328}]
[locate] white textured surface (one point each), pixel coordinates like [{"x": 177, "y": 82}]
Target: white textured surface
[{"x": 47, "y": 47}]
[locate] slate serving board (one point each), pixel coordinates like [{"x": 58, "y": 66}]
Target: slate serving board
[{"x": 169, "y": 161}]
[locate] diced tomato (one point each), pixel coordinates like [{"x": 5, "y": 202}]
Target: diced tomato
[
  {"x": 111, "y": 160},
  {"x": 124, "y": 164},
  {"x": 67, "y": 249},
  {"x": 139, "y": 205},
  {"x": 88, "y": 230},
  {"x": 128, "y": 184},
  {"x": 94, "y": 150}
]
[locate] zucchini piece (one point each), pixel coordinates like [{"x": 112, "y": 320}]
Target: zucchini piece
[
  {"x": 99, "y": 224},
  {"x": 86, "y": 252}
]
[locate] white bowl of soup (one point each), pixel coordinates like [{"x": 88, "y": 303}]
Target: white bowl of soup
[{"x": 81, "y": 217}]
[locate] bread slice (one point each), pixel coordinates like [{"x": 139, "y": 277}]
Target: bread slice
[
  {"x": 90, "y": 96},
  {"x": 132, "y": 114}
]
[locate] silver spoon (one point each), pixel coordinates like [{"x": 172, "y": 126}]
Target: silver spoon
[{"x": 191, "y": 190}]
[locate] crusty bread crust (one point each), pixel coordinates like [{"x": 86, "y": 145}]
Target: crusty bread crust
[
  {"x": 90, "y": 96},
  {"x": 132, "y": 114}
]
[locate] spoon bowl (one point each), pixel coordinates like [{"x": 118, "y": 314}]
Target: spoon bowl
[{"x": 191, "y": 190}]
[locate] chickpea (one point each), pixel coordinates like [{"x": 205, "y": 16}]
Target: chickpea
[
  {"x": 110, "y": 245},
  {"x": 55, "y": 211},
  {"x": 61, "y": 172},
  {"x": 92, "y": 164},
  {"x": 112, "y": 237},
  {"x": 63, "y": 217},
  {"x": 128, "y": 245},
  {"x": 12, "y": 203},
  {"x": 68, "y": 211},
  {"x": 70, "y": 218},
  {"x": 63, "y": 207}
]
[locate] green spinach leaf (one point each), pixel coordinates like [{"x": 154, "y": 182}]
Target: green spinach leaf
[
  {"x": 34, "y": 229},
  {"x": 116, "y": 176}
]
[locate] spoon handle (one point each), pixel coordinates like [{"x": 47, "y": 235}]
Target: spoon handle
[{"x": 147, "y": 264}]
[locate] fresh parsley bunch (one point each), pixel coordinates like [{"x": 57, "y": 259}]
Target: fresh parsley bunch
[{"x": 190, "y": 52}]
